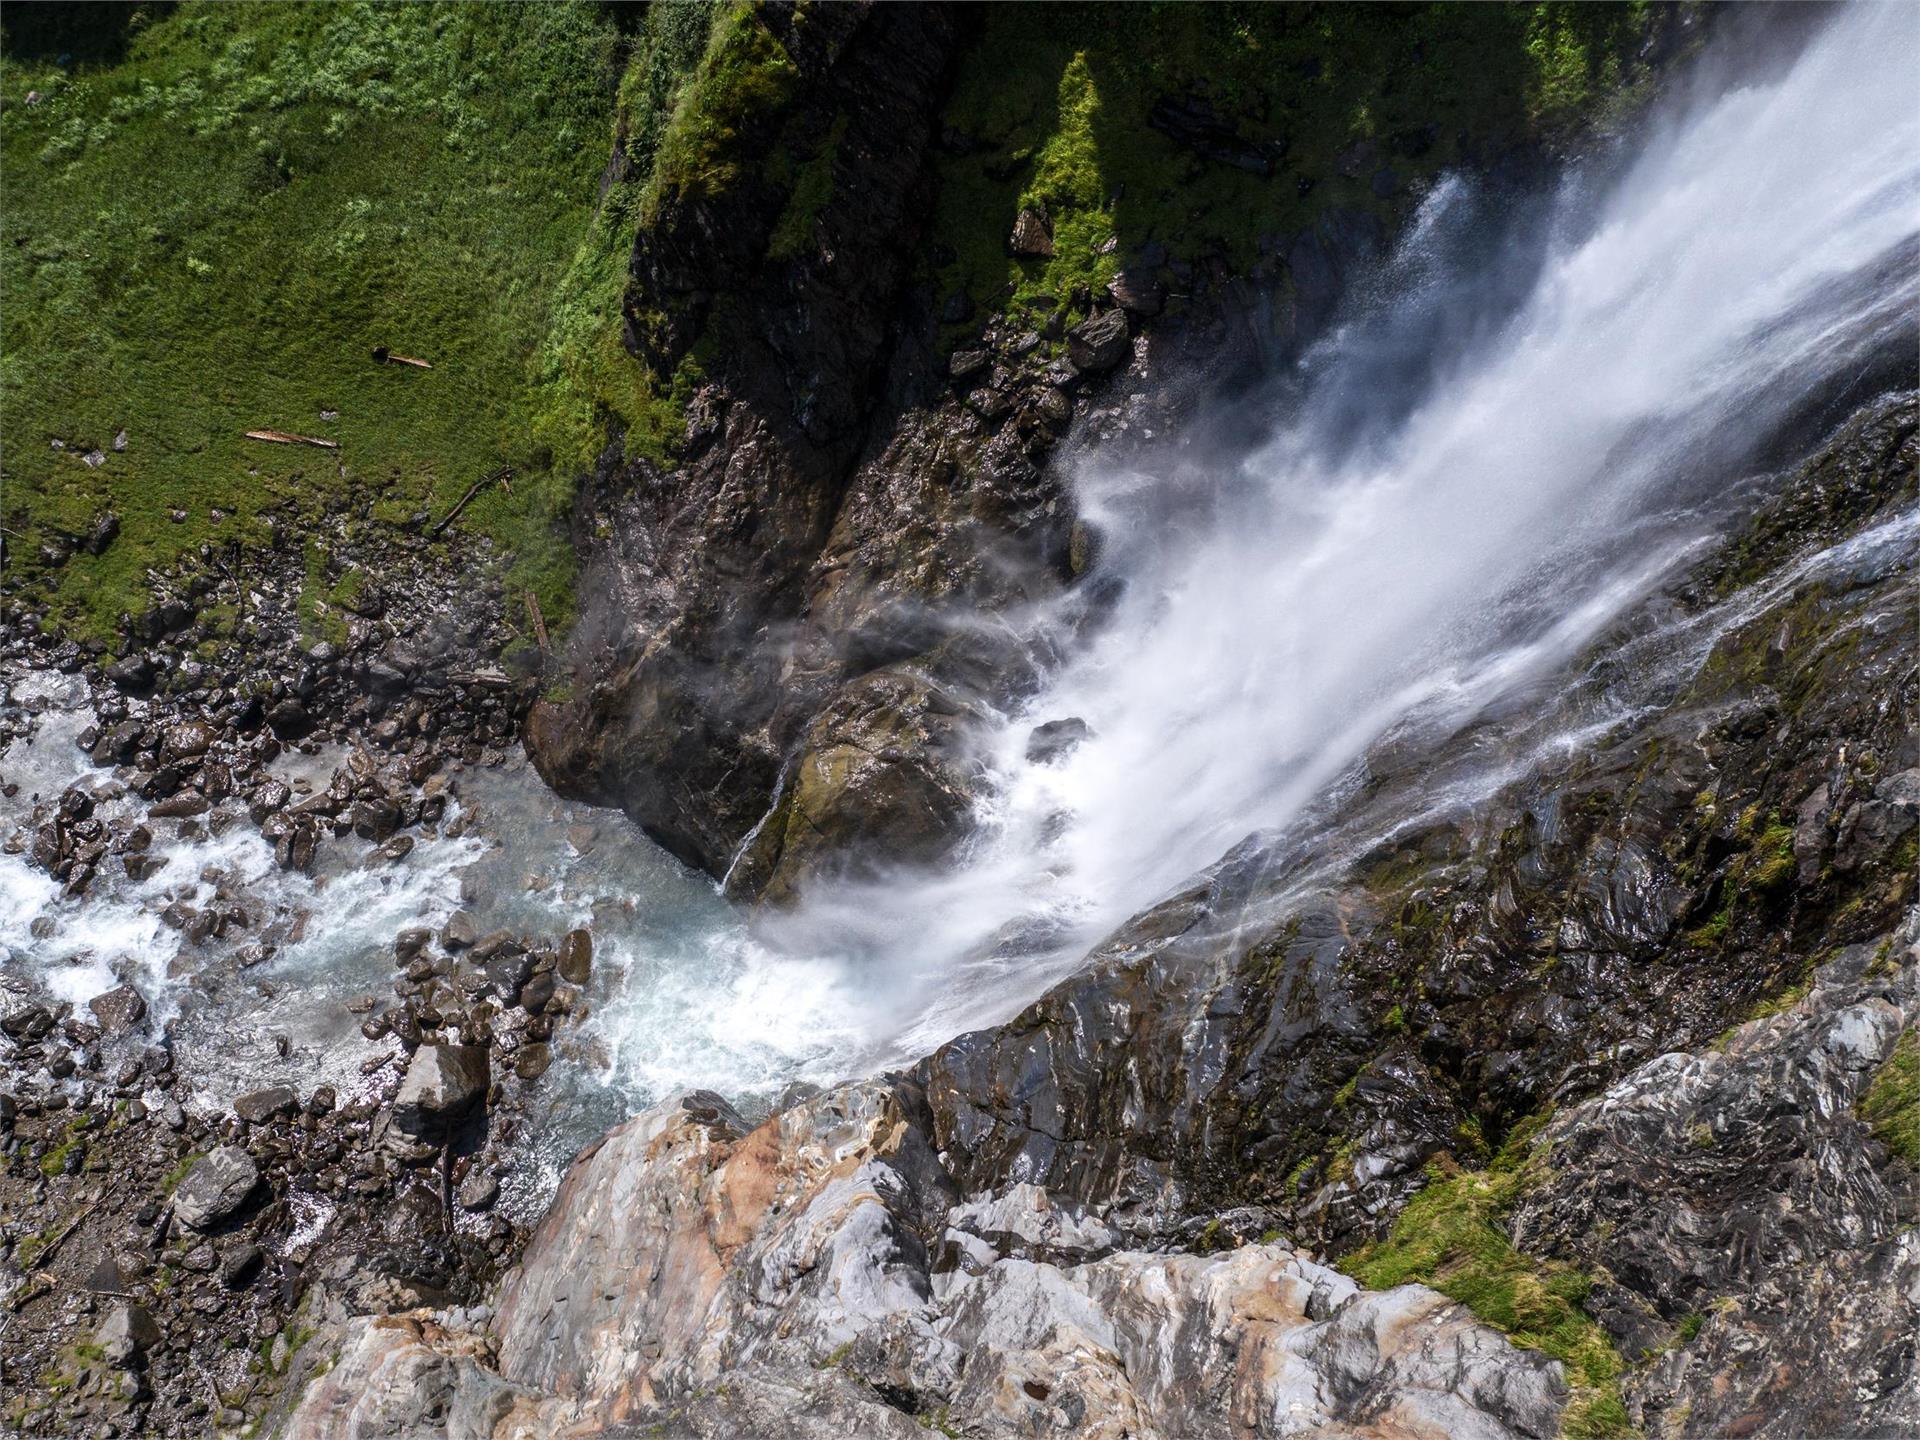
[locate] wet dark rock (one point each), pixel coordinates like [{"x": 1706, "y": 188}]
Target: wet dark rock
[
  {"x": 219, "y": 1183},
  {"x": 257, "y": 1107},
  {"x": 536, "y": 992},
  {"x": 1055, "y": 740},
  {"x": 478, "y": 1191},
  {"x": 119, "y": 1010},
  {"x": 289, "y": 719},
  {"x": 187, "y": 740},
  {"x": 576, "y": 957},
  {"x": 1100, "y": 343},
  {"x": 132, "y": 673},
  {"x": 460, "y": 931},
  {"x": 1138, "y": 291},
  {"x": 883, "y": 779},
  {"x": 530, "y": 1062},
  {"x": 375, "y": 819}
]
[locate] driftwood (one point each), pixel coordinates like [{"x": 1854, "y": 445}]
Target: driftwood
[
  {"x": 50, "y": 1251},
  {"x": 283, "y": 437},
  {"x": 388, "y": 357},
  {"x": 539, "y": 621},
  {"x": 501, "y": 475}
]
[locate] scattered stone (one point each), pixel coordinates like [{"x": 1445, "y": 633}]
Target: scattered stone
[
  {"x": 217, "y": 1185},
  {"x": 1030, "y": 235},
  {"x": 241, "y": 1265},
  {"x": 1100, "y": 343},
  {"x": 442, "y": 1084},
  {"x": 127, "y": 1335},
  {"x": 119, "y": 1010},
  {"x": 576, "y": 957}
]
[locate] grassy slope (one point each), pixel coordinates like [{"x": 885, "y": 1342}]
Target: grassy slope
[
  {"x": 210, "y": 234},
  {"x": 209, "y": 228},
  {"x": 1055, "y": 100}
]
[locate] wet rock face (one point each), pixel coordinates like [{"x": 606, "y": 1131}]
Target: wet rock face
[
  {"x": 714, "y": 563},
  {"x": 883, "y": 778},
  {"x": 823, "y": 1273},
  {"x": 1737, "y": 1191},
  {"x": 847, "y": 503}
]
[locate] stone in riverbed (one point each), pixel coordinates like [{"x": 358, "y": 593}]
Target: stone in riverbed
[
  {"x": 217, "y": 1185},
  {"x": 257, "y": 1107},
  {"x": 478, "y": 1191},
  {"x": 442, "y": 1084},
  {"x": 460, "y": 932},
  {"x": 576, "y": 957},
  {"x": 536, "y": 992},
  {"x": 532, "y": 1061},
  {"x": 119, "y": 1010}
]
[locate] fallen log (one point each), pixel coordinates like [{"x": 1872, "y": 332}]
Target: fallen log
[
  {"x": 285, "y": 437},
  {"x": 501, "y": 475},
  {"x": 539, "y": 622},
  {"x": 389, "y": 357}
]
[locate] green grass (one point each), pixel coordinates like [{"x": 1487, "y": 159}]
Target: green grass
[
  {"x": 210, "y": 233},
  {"x": 1891, "y": 1106},
  {"x": 1055, "y": 101},
  {"x": 213, "y": 216},
  {"x": 1449, "y": 1237}
]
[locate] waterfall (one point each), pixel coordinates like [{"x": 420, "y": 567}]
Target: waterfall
[{"x": 1525, "y": 424}]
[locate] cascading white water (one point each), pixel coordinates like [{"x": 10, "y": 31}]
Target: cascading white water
[{"x": 1423, "y": 533}]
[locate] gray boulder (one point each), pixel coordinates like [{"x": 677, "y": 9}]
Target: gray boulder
[
  {"x": 257, "y": 1107},
  {"x": 1101, "y": 343},
  {"x": 217, "y": 1185},
  {"x": 443, "y": 1083}
]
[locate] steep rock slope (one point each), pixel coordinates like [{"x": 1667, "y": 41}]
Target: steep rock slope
[{"x": 1597, "y": 1085}]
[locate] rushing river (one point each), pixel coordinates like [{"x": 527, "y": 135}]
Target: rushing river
[{"x": 1533, "y": 415}]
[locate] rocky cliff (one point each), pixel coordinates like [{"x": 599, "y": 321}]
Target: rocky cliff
[{"x": 1598, "y": 1088}]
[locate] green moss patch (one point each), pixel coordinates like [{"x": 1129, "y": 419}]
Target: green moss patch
[
  {"x": 1449, "y": 1237},
  {"x": 211, "y": 230},
  {"x": 1891, "y": 1106},
  {"x": 1054, "y": 111}
]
